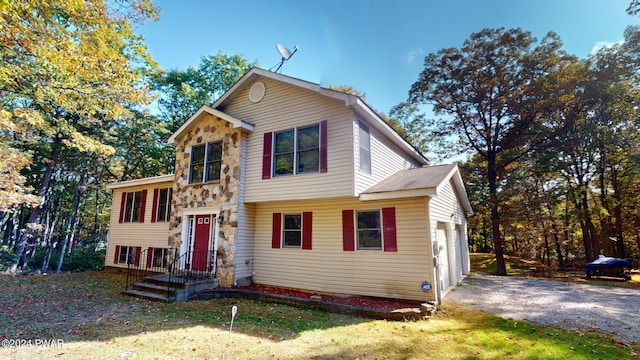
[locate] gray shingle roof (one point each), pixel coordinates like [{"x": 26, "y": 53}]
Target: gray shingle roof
[{"x": 412, "y": 179}]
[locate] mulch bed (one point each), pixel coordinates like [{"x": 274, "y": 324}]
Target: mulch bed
[
  {"x": 355, "y": 301},
  {"x": 376, "y": 308}
]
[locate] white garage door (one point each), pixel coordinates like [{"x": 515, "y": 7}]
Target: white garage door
[{"x": 443, "y": 257}]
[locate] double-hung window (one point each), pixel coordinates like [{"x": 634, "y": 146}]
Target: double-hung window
[
  {"x": 127, "y": 254},
  {"x": 292, "y": 230},
  {"x": 133, "y": 204},
  {"x": 206, "y": 162},
  {"x": 297, "y": 151},
  {"x": 373, "y": 229},
  {"x": 163, "y": 209},
  {"x": 369, "y": 230},
  {"x": 158, "y": 256}
]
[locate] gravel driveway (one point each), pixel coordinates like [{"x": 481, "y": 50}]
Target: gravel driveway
[{"x": 583, "y": 307}]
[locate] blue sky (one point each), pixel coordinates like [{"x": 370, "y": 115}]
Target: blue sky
[{"x": 378, "y": 47}]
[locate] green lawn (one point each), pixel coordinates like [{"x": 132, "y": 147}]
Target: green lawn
[{"x": 86, "y": 312}]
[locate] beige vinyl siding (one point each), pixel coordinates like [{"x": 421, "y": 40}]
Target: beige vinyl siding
[
  {"x": 145, "y": 235},
  {"x": 285, "y": 107},
  {"x": 386, "y": 160},
  {"x": 445, "y": 208},
  {"x": 246, "y": 218},
  {"x": 328, "y": 269}
]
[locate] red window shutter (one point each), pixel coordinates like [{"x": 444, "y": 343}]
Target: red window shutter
[
  {"x": 389, "y": 229},
  {"x": 149, "y": 256},
  {"x": 143, "y": 205},
  {"x": 154, "y": 208},
  {"x": 276, "y": 231},
  {"x": 117, "y": 255},
  {"x": 266, "y": 155},
  {"x": 136, "y": 262},
  {"x": 122, "y": 203},
  {"x": 307, "y": 227},
  {"x": 348, "y": 243},
  {"x": 323, "y": 146}
]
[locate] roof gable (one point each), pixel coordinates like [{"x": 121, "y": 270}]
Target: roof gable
[
  {"x": 360, "y": 108},
  {"x": 205, "y": 109}
]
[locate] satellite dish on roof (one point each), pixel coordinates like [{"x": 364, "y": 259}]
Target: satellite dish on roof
[{"x": 285, "y": 53}]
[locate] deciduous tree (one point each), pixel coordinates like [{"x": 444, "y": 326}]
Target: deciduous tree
[
  {"x": 495, "y": 96},
  {"x": 69, "y": 69}
]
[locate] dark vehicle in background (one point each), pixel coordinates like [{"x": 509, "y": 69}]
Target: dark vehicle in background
[{"x": 610, "y": 266}]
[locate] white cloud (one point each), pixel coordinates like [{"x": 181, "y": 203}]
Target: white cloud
[
  {"x": 604, "y": 44},
  {"x": 413, "y": 54}
]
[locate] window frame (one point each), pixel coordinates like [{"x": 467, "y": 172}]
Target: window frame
[
  {"x": 130, "y": 251},
  {"x": 379, "y": 230},
  {"x": 365, "y": 166},
  {"x": 206, "y": 162},
  {"x": 277, "y": 154},
  {"x": 167, "y": 206},
  {"x": 132, "y": 208},
  {"x": 298, "y": 231},
  {"x": 296, "y": 152},
  {"x": 163, "y": 253}
]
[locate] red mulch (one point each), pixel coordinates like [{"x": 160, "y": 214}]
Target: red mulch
[{"x": 356, "y": 301}]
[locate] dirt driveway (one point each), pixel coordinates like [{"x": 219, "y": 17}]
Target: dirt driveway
[{"x": 582, "y": 307}]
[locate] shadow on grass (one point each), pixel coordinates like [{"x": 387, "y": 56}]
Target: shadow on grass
[
  {"x": 84, "y": 308},
  {"x": 89, "y": 306}
]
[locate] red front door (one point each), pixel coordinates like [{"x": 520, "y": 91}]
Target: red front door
[{"x": 200, "y": 256}]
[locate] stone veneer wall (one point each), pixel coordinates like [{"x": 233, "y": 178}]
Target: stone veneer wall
[{"x": 223, "y": 194}]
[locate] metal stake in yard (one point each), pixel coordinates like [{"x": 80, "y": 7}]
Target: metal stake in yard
[{"x": 234, "y": 311}]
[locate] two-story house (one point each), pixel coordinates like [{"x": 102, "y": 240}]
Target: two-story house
[{"x": 285, "y": 183}]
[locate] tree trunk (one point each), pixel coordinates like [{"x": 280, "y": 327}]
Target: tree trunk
[
  {"x": 49, "y": 247},
  {"x": 29, "y": 232},
  {"x": 556, "y": 240},
  {"x": 8, "y": 229},
  {"x": 547, "y": 249},
  {"x": 492, "y": 173},
  {"x": 74, "y": 217},
  {"x": 621, "y": 251}
]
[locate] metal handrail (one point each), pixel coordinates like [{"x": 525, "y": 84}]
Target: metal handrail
[
  {"x": 189, "y": 266},
  {"x": 139, "y": 266}
]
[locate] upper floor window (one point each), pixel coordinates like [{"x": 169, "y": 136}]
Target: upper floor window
[
  {"x": 297, "y": 151},
  {"x": 163, "y": 201},
  {"x": 364, "y": 139},
  {"x": 206, "y": 162},
  {"x": 132, "y": 206}
]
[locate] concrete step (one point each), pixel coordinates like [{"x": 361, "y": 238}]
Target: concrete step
[
  {"x": 163, "y": 280},
  {"x": 152, "y": 288},
  {"x": 147, "y": 295}
]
